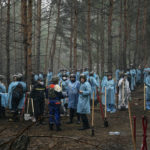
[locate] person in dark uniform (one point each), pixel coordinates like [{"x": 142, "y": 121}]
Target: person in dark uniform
[{"x": 38, "y": 94}]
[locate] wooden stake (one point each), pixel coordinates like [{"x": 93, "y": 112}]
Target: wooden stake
[
  {"x": 105, "y": 104},
  {"x": 93, "y": 115},
  {"x": 144, "y": 97},
  {"x": 132, "y": 133},
  {"x": 93, "y": 110}
]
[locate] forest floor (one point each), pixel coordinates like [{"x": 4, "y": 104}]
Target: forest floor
[{"x": 70, "y": 138}]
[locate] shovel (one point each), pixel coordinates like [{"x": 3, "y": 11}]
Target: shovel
[
  {"x": 27, "y": 115},
  {"x": 33, "y": 118},
  {"x": 105, "y": 118},
  {"x": 93, "y": 115}
]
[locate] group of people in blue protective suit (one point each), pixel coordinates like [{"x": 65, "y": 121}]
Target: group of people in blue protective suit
[
  {"x": 130, "y": 80},
  {"x": 71, "y": 91},
  {"x": 71, "y": 94},
  {"x": 14, "y": 99}
]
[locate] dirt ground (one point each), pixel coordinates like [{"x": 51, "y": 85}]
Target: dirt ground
[{"x": 41, "y": 138}]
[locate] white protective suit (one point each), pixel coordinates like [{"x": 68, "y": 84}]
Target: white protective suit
[{"x": 124, "y": 93}]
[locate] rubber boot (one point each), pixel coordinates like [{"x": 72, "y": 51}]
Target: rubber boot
[{"x": 51, "y": 126}]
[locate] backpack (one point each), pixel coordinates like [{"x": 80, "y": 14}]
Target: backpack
[
  {"x": 51, "y": 93},
  {"x": 18, "y": 91}
]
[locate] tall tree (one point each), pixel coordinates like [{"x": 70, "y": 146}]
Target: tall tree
[
  {"x": 75, "y": 36},
  {"x": 137, "y": 33},
  {"x": 38, "y": 34},
  {"x": 88, "y": 36},
  {"x": 47, "y": 40},
  {"x": 144, "y": 34},
  {"x": 110, "y": 36},
  {"x": 125, "y": 36},
  {"x": 120, "y": 39},
  {"x": 71, "y": 34},
  {"x": 29, "y": 52},
  {"x": 97, "y": 40},
  {"x": 52, "y": 54},
  {"x": 59, "y": 56},
  {"x": 102, "y": 33},
  {"x": 1, "y": 46},
  {"x": 15, "y": 54},
  {"x": 8, "y": 42},
  {"x": 24, "y": 31},
  {"x": 34, "y": 31}
]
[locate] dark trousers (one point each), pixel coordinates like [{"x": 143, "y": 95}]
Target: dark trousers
[
  {"x": 72, "y": 113},
  {"x": 15, "y": 103},
  {"x": 85, "y": 120},
  {"x": 38, "y": 107},
  {"x": 54, "y": 111},
  {"x": 2, "y": 110}
]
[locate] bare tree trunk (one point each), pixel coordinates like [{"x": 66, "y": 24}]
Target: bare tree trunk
[
  {"x": 55, "y": 37},
  {"x": 34, "y": 34},
  {"x": 110, "y": 36},
  {"x": 1, "y": 47},
  {"x": 29, "y": 54},
  {"x": 7, "y": 43},
  {"x": 120, "y": 39},
  {"x": 144, "y": 34},
  {"x": 82, "y": 53},
  {"x": 15, "y": 62},
  {"x": 75, "y": 36},
  {"x": 125, "y": 35},
  {"x": 98, "y": 45},
  {"x": 71, "y": 35},
  {"x": 102, "y": 33},
  {"x": 49, "y": 19},
  {"x": 137, "y": 34},
  {"x": 38, "y": 34},
  {"x": 59, "y": 52},
  {"x": 88, "y": 36},
  {"x": 25, "y": 30}
]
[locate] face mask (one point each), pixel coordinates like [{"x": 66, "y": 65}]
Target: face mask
[{"x": 64, "y": 78}]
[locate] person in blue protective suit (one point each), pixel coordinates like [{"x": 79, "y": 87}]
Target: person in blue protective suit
[
  {"x": 117, "y": 75},
  {"x": 59, "y": 75},
  {"x": 128, "y": 77},
  {"x": 15, "y": 94},
  {"x": 110, "y": 94},
  {"x": 147, "y": 83},
  {"x": 73, "y": 94},
  {"x": 96, "y": 76},
  {"x": 145, "y": 72},
  {"x": 83, "y": 107},
  {"x": 139, "y": 75},
  {"x": 78, "y": 74},
  {"x": 86, "y": 72},
  {"x": 133, "y": 78},
  {"x": 38, "y": 94},
  {"x": 103, "y": 85},
  {"x": 22, "y": 100},
  {"x": 64, "y": 85},
  {"x": 36, "y": 77},
  {"x": 2, "y": 90},
  {"x": 68, "y": 73},
  {"x": 49, "y": 77},
  {"x": 94, "y": 85},
  {"x": 41, "y": 76},
  {"x": 54, "y": 95}
]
